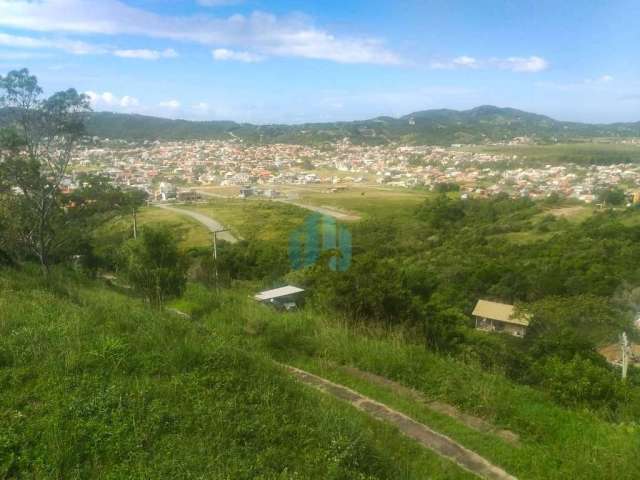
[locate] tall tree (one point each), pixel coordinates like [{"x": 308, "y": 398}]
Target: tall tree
[
  {"x": 154, "y": 265},
  {"x": 36, "y": 147}
]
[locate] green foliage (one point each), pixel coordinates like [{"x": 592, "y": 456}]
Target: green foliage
[
  {"x": 578, "y": 381},
  {"x": 431, "y": 127},
  {"x": 96, "y": 385},
  {"x": 35, "y": 152},
  {"x": 556, "y": 441},
  {"x": 447, "y": 187},
  {"x": 427, "y": 270},
  {"x": 154, "y": 266},
  {"x": 613, "y": 197}
]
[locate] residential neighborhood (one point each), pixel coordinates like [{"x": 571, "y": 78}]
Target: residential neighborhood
[{"x": 159, "y": 167}]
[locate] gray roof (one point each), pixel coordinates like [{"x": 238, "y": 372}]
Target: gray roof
[{"x": 277, "y": 293}]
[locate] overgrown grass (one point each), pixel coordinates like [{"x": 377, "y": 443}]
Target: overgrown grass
[
  {"x": 557, "y": 443},
  {"x": 368, "y": 201},
  {"x": 95, "y": 385},
  {"x": 191, "y": 233},
  {"x": 255, "y": 219},
  {"x": 595, "y": 153}
]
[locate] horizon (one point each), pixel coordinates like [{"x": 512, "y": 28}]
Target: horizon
[
  {"x": 226, "y": 59},
  {"x": 356, "y": 119}
]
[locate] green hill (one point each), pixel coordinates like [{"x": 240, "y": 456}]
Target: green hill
[
  {"x": 438, "y": 127},
  {"x": 95, "y": 385}
]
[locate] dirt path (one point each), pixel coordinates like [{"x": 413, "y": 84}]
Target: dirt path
[
  {"x": 324, "y": 210},
  {"x": 211, "y": 223},
  {"x": 470, "y": 421},
  {"x": 441, "y": 444}
]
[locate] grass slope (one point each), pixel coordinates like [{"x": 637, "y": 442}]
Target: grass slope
[
  {"x": 190, "y": 232},
  {"x": 95, "y": 385},
  {"x": 556, "y": 442}
]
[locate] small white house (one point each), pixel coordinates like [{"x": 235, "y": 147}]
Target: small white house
[{"x": 283, "y": 297}]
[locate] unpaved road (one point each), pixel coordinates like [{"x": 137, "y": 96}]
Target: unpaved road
[
  {"x": 212, "y": 224},
  {"x": 470, "y": 421},
  {"x": 331, "y": 212},
  {"x": 439, "y": 443}
]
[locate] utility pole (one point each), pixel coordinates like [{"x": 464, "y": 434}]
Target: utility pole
[
  {"x": 135, "y": 223},
  {"x": 215, "y": 253},
  {"x": 624, "y": 345}
]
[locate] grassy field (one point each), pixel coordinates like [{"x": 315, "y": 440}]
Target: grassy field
[
  {"x": 357, "y": 198},
  {"x": 190, "y": 232},
  {"x": 580, "y": 153},
  {"x": 555, "y": 443},
  {"x": 365, "y": 200},
  {"x": 96, "y": 385},
  {"x": 254, "y": 219}
]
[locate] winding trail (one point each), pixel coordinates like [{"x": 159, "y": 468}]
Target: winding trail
[
  {"x": 212, "y": 224},
  {"x": 324, "y": 210},
  {"x": 439, "y": 443},
  {"x": 331, "y": 212}
]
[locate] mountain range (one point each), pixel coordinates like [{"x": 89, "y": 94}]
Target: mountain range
[{"x": 430, "y": 127}]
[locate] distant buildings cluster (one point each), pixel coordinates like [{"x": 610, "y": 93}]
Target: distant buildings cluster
[{"x": 160, "y": 167}]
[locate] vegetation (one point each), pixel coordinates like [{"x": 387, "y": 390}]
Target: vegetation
[
  {"x": 431, "y": 127},
  {"x": 556, "y": 442},
  {"x": 153, "y": 265},
  {"x": 579, "y": 153},
  {"x": 40, "y": 220},
  {"x": 426, "y": 271},
  {"x": 96, "y": 385},
  {"x": 99, "y": 385}
]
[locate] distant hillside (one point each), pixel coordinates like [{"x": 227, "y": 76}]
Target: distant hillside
[{"x": 430, "y": 127}]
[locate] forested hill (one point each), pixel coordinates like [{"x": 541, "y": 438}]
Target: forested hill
[{"x": 429, "y": 127}]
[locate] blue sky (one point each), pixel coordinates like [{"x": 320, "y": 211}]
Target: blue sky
[{"x": 294, "y": 61}]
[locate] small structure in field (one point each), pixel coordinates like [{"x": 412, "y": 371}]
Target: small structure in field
[
  {"x": 188, "y": 195},
  {"x": 500, "y": 317},
  {"x": 285, "y": 298}
]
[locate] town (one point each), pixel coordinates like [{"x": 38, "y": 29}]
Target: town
[{"x": 163, "y": 168}]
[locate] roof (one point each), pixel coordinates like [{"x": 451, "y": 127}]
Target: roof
[
  {"x": 499, "y": 311},
  {"x": 613, "y": 352},
  {"x": 277, "y": 293}
]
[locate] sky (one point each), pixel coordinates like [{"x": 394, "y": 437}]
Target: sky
[{"x": 294, "y": 61}]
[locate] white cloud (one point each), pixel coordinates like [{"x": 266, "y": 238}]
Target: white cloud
[
  {"x": 266, "y": 34},
  {"x": 128, "y": 101},
  {"x": 146, "y": 54},
  {"x": 516, "y": 64},
  {"x": 202, "y": 107},
  {"x": 21, "y": 55},
  {"x": 522, "y": 64},
  {"x": 225, "y": 54},
  {"x": 465, "y": 61},
  {"x": 109, "y": 100},
  {"x": 172, "y": 104},
  {"x": 218, "y": 3},
  {"x": 75, "y": 47},
  {"x": 605, "y": 79}
]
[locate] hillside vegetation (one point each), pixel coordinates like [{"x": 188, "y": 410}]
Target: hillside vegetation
[
  {"x": 430, "y": 127},
  {"x": 96, "y": 385}
]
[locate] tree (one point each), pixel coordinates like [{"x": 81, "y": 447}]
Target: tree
[
  {"x": 443, "y": 212},
  {"x": 35, "y": 151},
  {"x": 612, "y": 196},
  {"x": 154, "y": 266}
]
